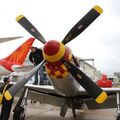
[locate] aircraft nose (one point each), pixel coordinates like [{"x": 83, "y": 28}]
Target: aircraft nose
[{"x": 53, "y": 51}]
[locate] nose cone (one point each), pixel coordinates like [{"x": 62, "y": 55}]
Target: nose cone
[
  {"x": 51, "y": 47},
  {"x": 53, "y": 51}
]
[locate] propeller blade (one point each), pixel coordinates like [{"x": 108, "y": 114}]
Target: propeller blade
[
  {"x": 96, "y": 92},
  {"x": 10, "y": 93},
  {"x": 9, "y": 39},
  {"x": 22, "y": 20},
  {"x": 82, "y": 24}
]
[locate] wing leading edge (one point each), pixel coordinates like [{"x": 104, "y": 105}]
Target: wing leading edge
[{"x": 47, "y": 94}]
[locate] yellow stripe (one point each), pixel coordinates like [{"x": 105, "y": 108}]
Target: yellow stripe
[
  {"x": 47, "y": 70},
  {"x": 98, "y": 9},
  {"x": 57, "y": 56},
  {"x": 7, "y": 95},
  {"x": 57, "y": 73},
  {"x": 65, "y": 74},
  {"x": 101, "y": 98},
  {"x": 19, "y": 17},
  {"x": 54, "y": 77},
  {"x": 63, "y": 67},
  {"x": 70, "y": 56}
]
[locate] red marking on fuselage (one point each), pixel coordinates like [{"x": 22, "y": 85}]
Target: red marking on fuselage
[{"x": 54, "y": 67}]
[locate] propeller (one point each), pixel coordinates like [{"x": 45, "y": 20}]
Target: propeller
[
  {"x": 22, "y": 20},
  {"x": 10, "y": 93},
  {"x": 83, "y": 24},
  {"x": 95, "y": 91},
  {"x": 9, "y": 39}
]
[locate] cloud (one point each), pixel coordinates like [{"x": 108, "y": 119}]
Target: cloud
[{"x": 114, "y": 6}]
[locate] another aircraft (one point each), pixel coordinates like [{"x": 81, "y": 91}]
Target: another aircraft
[
  {"x": 15, "y": 59},
  {"x": 9, "y": 39},
  {"x": 65, "y": 77}
]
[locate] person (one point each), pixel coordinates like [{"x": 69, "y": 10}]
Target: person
[
  {"x": 36, "y": 57},
  {"x": 6, "y": 104}
]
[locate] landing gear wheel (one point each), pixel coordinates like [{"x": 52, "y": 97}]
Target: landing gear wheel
[
  {"x": 118, "y": 118},
  {"x": 19, "y": 114}
]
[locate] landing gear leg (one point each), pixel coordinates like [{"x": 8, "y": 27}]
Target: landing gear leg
[
  {"x": 117, "y": 115},
  {"x": 21, "y": 106},
  {"x": 64, "y": 109},
  {"x": 73, "y": 110}
]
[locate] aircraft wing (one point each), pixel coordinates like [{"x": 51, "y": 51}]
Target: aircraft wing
[
  {"x": 47, "y": 94},
  {"x": 111, "y": 101},
  {"x": 112, "y": 89},
  {"x": 23, "y": 68},
  {"x": 42, "y": 93},
  {"x": 9, "y": 39},
  {"x": 42, "y": 88}
]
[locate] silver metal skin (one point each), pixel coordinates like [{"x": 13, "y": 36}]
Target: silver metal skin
[
  {"x": 15, "y": 88},
  {"x": 9, "y": 39},
  {"x": 66, "y": 86},
  {"x": 117, "y": 114}
]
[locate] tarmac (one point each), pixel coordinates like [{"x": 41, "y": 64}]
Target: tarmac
[{"x": 39, "y": 111}]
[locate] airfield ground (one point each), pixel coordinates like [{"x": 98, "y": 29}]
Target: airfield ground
[{"x": 37, "y": 111}]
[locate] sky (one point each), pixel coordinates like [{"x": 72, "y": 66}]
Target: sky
[{"x": 54, "y": 19}]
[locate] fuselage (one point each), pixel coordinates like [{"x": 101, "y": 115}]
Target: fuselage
[
  {"x": 66, "y": 86},
  {"x": 61, "y": 79},
  {"x": 5, "y": 67},
  {"x": 4, "y": 71}
]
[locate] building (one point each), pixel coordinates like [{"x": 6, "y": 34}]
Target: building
[{"x": 89, "y": 69}]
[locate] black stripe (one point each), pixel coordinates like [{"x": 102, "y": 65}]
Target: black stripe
[
  {"x": 84, "y": 80},
  {"x": 81, "y": 25},
  {"x": 31, "y": 29}
]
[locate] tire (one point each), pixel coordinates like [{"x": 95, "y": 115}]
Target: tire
[
  {"x": 18, "y": 114},
  {"x": 118, "y": 118}
]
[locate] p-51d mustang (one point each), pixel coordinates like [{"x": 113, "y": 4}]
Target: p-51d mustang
[{"x": 65, "y": 77}]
